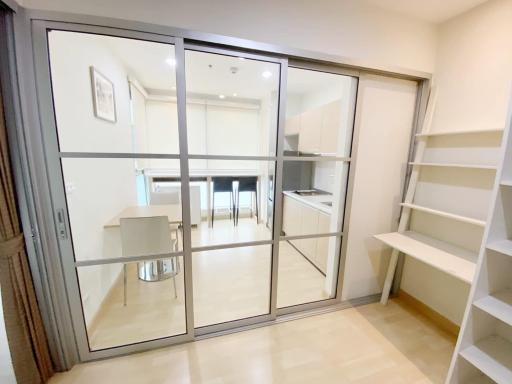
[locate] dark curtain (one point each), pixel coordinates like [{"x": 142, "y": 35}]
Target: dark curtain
[{"x": 25, "y": 332}]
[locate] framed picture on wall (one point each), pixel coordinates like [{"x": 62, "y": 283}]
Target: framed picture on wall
[{"x": 103, "y": 96}]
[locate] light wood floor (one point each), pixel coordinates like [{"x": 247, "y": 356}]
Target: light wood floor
[
  {"x": 371, "y": 344},
  {"x": 229, "y": 284}
]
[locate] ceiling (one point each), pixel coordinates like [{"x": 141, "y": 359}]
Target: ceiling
[
  {"x": 435, "y": 11},
  {"x": 209, "y": 74}
]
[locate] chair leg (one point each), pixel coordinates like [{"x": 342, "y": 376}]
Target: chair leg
[
  {"x": 257, "y": 206},
  {"x": 213, "y": 207},
  {"x": 124, "y": 285},
  {"x": 237, "y": 206},
  {"x": 232, "y": 205},
  {"x": 252, "y": 204},
  {"x": 175, "y": 290}
]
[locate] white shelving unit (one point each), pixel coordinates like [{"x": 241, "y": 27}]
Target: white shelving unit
[
  {"x": 502, "y": 246},
  {"x": 453, "y": 216},
  {"x": 446, "y": 257},
  {"x": 498, "y": 305},
  {"x": 440, "y": 254},
  {"x": 484, "y": 348},
  {"x": 459, "y": 132},
  {"x": 481, "y": 379},
  {"x": 493, "y": 357},
  {"x": 453, "y": 165}
]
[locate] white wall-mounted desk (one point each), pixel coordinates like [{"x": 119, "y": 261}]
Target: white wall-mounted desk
[
  {"x": 163, "y": 175},
  {"x": 172, "y": 211}
]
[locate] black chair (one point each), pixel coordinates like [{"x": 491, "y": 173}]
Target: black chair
[
  {"x": 247, "y": 184},
  {"x": 223, "y": 185}
]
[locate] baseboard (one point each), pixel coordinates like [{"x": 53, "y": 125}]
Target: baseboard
[
  {"x": 437, "y": 318},
  {"x": 109, "y": 296}
]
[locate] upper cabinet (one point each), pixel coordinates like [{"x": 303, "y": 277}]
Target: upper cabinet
[
  {"x": 318, "y": 129},
  {"x": 292, "y": 126},
  {"x": 311, "y": 124},
  {"x": 331, "y": 127}
]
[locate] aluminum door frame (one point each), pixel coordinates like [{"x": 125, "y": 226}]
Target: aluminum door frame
[
  {"x": 283, "y": 64},
  {"x": 162, "y": 35},
  {"x": 53, "y": 156}
]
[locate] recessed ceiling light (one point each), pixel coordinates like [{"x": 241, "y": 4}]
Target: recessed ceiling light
[
  {"x": 222, "y": 97},
  {"x": 171, "y": 61},
  {"x": 235, "y": 94},
  {"x": 266, "y": 74}
]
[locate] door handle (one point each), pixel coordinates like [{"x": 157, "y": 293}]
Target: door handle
[{"x": 61, "y": 224}]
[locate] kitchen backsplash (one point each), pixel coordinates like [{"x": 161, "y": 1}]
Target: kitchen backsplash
[{"x": 323, "y": 175}]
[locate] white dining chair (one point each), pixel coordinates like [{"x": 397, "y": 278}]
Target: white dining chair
[
  {"x": 166, "y": 196},
  {"x": 149, "y": 236}
]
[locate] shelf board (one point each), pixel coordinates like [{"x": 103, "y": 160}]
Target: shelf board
[
  {"x": 507, "y": 183},
  {"x": 459, "y": 132},
  {"x": 493, "y": 357},
  {"x": 498, "y": 305},
  {"x": 501, "y": 246},
  {"x": 443, "y": 256},
  {"x": 480, "y": 379},
  {"x": 448, "y": 215},
  {"x": 453, "y": 165}
]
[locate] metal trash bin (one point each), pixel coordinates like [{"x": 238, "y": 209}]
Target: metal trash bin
[{"x": 157, "y": 270}]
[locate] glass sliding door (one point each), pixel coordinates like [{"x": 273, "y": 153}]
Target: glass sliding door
[
  {"x": 186, "y": 201},
  {"x": 232, "y": 116},
  {"x": 116, "y": 122},
  {"x": 316, "y": 155}
]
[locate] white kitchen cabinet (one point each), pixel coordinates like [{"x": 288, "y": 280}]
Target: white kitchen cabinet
[
  {"x": 319, "y": 129},
  {"x": 302, "y": 219},
  {"x": 322, "y": 244},
  {"x": 331, "y": 126},
  {"x": 309, "y": 226},
  {"x": 291, "y": 216},
  {"x": 292, "y": 125},
  {"x": 310, "y": 127}
]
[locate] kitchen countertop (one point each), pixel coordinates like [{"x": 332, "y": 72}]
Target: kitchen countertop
[{"x": 314, "y": 201}]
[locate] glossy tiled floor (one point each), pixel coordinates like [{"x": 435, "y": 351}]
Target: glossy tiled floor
[{"x": 371, "y": 344}]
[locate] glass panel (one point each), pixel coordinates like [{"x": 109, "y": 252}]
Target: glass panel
[
  {"x": 232, "y": 105},
  {"x": 113, "y": 94},
  {"x": 313, "y": 197},
  {"x": 231, "y": 284},
  {"x": 308, "y": 270},
  {"x": 147, "y": 310},
  {"x": 99, "y": 192},
  {"x": 318, "y": 113},
  {"x": 236, "y": 196}
]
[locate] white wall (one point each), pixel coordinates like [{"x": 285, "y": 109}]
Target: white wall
[
  {"x": 98, "y": 189},
  {"x": 473, "y": 68},
  {"x": 473, "y": 77},
  {"x": 348, "y": 28},
  {"x": 387, "y": 109}
]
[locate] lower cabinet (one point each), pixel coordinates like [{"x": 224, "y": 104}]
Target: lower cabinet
[
  {"x": 309, "y": 225},
  {"x": 322, "y": 243},
  {"x": 302, "y": 219}
]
